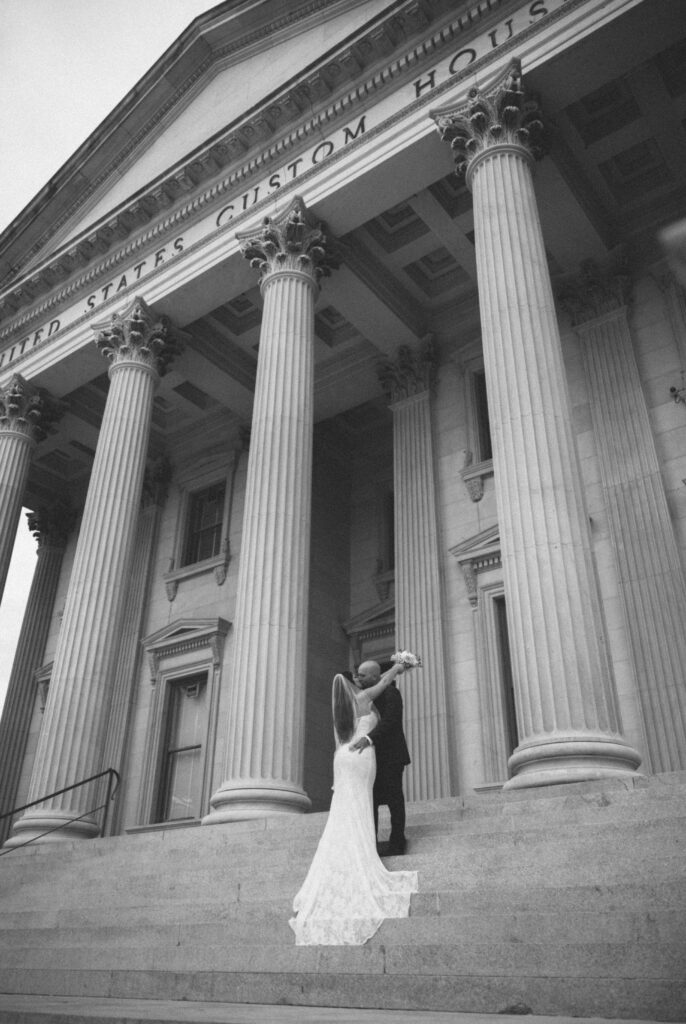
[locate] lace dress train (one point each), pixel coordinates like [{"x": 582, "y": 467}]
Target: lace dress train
[{"x": 348, "y": 892}]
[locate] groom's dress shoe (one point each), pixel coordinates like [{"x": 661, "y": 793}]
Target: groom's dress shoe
[{"x": 396, "y": 849}]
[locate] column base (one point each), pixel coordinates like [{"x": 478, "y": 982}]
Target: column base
[
  {"x": 241, "y": 799},
  {"x": 570, "y": 759},
  {"x": 51, "y": 827}
]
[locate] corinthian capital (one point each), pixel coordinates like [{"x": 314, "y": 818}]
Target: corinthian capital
[
  {"x": 595, "y": 292},
  {"x": 494, "y": 116},
  {"x": 291, "y": 241},
  {"x": 27, "y": 409},
  {"x": 52, "y": 524},
  {"x": 410, "y": 372},
  {"x": 139, "y": 335}
]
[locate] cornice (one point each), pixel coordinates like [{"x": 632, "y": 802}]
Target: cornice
[
  {"x": 104, "y": 267},
  {"x": 221, "y": 152}
]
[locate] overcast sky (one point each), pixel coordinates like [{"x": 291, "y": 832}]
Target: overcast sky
[{"x": 64, "y": 65}]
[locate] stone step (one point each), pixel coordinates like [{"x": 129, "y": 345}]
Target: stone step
[
  {"x": 439, "y": 874},
  {"x": 554, "y": 807},
  {"x": 37, "y": 1010},
  {"x": 581, "y": 856},
  {"x": 636, "y": 840},
  {"x": 618, "y": 898},
  {"x": 483, "y": 993},
  {"x": 432, "y": 879},
  {"x": 666, "y": 926},
  {"x": 569, "y": 901},
  {"x": 397, "y": 950},
  {"x": 468, "y": 825},
  {"x": 454, "y": 819},
  {"x": 506, "y": 816},
  {"x": 581, "y": 801}
]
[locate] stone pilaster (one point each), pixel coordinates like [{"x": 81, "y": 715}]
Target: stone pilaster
[
  {"x": 650, "y": 575},
  {"x": 408, "y": 382},
  {"x": 25, "y": 414},
  {"x": 51, "y": 527},
  {"x": 566, "y": 704},
  {"x": 138, "y": 347},
  {"x": 265, "y": 747}
]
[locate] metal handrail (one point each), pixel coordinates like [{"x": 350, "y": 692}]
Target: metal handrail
[{"x": 112, "y": 775}]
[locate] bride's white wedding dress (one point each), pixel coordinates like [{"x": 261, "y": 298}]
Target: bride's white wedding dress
[{"x": 348, "y": 892}]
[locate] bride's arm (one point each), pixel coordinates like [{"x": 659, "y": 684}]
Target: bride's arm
[{"x": 372, "y": 692}]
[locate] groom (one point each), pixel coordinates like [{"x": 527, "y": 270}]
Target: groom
[{"x": 391, "y": 755}]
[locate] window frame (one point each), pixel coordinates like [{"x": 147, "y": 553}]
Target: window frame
[
  {"x": 189, "y": 534},
  {"x": 188, "y": 487}
]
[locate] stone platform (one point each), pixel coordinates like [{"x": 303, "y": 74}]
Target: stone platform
[{"x": 565, "y": 901}]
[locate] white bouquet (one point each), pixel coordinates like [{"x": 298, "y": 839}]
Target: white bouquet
[{"x": 407, "y": 658}]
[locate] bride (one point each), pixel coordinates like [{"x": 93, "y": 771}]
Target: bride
[{"x": 348, "y": 892}]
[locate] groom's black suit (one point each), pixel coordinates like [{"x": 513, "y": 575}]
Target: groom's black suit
[{"x": 391, "y": 757}]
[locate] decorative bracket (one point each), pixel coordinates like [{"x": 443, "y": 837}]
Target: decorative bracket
[{"x": 473, "y": 475}]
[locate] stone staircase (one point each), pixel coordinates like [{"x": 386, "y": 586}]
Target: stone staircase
[{"x": 568, "y": 900}]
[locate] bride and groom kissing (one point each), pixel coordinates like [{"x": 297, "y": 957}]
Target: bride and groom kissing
[{"x": 348, "y": 891}]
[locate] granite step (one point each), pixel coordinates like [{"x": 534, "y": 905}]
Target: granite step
[
  {"x": 650, "y": 999},
  {"x": 64, "y": 1010},
  {"x": 567, "y": 902},
  {"x": 598, "y": 899},
  {"x": 636, "y": 840},
  {"x": 397, "y": 949},
  {"x": 421, "y": 928},
  {"x": 559, "y": 807}
]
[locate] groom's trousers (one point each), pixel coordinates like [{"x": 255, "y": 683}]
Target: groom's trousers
[{"x": 388, "y": 790}]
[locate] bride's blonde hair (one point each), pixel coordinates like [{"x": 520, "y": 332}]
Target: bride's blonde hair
[{"x": 343, "y": 708}]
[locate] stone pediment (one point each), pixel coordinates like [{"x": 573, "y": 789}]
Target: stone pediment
[
  {"x": 475, "y": 555},
  {"x": 209, "y": 101},
  {"x": 185, "y": 635},
  {"x": 208, "y": 120},
  {"x": 480, "y": 547}
]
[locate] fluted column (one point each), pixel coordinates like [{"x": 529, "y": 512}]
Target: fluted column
[
  {"x": 25, "y": 413},
  {"x": 265, "y": 748},
  {"x": 71, "y": 742},
  {"x": 408, "y": 382},
  {"x": 155, "y": 486},
  {"x": 650, "y": 574},
  {"x": 51, "y": 526},
  {"x": 566, "y": 704}
]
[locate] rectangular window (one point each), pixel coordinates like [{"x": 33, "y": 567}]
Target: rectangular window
[
  {"x": 204, "y": 524},
  {"x": 181, "y": 780}
]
